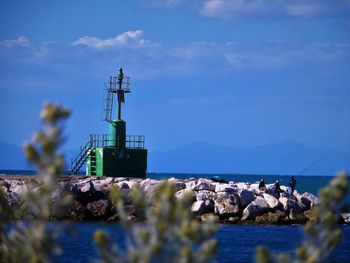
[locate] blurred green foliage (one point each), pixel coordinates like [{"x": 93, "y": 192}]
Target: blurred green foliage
[
  {"x": 170, "y": 233},
  {"x": 33, "y": 240},
  {"x": 320, "y": 237}
]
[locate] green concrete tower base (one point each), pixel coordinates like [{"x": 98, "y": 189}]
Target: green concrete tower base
[
  {"x": 114, "y": 162},
  {"x": 117, "y": 134}
]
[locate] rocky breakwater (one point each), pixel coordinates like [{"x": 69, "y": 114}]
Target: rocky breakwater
[
  {"x": 237, "y": 202},
  {"x": 229, "y": 202}
]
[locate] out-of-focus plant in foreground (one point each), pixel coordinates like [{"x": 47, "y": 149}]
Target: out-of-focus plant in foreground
[
  {"x": 33, "y": 240},
  {"x": 320, "y": 237},
  {"x": 169, "y": 233}
]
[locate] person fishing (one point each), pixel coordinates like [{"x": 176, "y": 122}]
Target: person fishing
[
  {"x": 278, "y": 187},
  {"x": 292, "y": 183},
  {"x": 262, "y": 185}
]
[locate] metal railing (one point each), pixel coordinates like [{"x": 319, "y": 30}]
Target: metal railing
[
  {"x": 135, "y": 142},
  {"x": 131, "y": 142},
  {"x": 99, "y": 140},
  {"x": 114, "y": 81},
  {"x": 102, "y": 140}
]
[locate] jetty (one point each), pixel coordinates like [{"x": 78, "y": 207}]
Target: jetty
[{"x": 230, "y": 202}]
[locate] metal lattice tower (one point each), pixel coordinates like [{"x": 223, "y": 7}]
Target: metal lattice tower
[{"x": 118, "y": 85}]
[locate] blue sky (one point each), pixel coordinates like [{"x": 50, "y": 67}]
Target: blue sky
[{"x": 235, "y": 72}]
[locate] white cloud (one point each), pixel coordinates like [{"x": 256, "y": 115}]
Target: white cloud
[
  {"x": 229, "y": 9},
  {"x": 242, "y": 9},
  {"x": 22, "y": 51},
  {"x": 167, "y": 4},
  {"x": 181, "y": 60},
  {"x": 278, "y": 56},
  {"x": 17, "y": 42},
  {"x": 129, "y": 38},
  {"x": 305, "y": 9},
  {"x": 225, "y": 9},
  {"x": 220, "y": 58}
]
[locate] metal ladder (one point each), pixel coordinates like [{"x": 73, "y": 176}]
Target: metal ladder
[
  {"x": 108, "y": 105},
  {"x": 93, "y": 161}
]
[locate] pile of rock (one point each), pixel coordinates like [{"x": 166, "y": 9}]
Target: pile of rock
[
  {"x": 232, "y": 202},
  {"x": 246, "y": 203}
]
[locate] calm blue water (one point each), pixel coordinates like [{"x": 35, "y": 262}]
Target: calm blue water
[{"x": 236, "y": 243}]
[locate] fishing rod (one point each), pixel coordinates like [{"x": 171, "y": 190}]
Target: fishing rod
[{"x": 312, "y": 164}]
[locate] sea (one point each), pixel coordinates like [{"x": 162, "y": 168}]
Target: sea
[{"x": 236, "y": 243}]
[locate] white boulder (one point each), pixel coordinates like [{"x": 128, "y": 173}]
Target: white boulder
[
  {"x": 203, "y": 185},
  {"x": 227, "y": 204},
  {"x": 246, "y": 197},
  {"x": 225, "y": 188},
  {"x": 258, "y": 207},
  {"x": 272, "y": 201},
  {"x": 205, "y": 195},
  {"x": 289, "y": 203}
]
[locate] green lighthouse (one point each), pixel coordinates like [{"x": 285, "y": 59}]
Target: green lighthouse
[{"x": 114, "y": 154}]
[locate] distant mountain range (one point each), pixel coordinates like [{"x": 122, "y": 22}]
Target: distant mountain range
[{"x": 287, "y": 157}]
